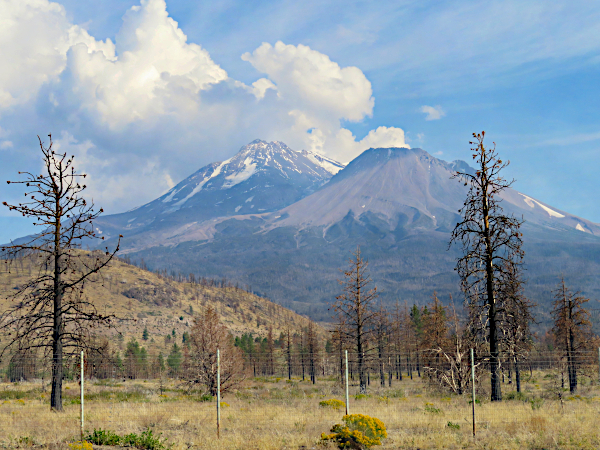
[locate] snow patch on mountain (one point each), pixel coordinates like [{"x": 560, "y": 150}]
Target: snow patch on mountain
[
  {"x": 249, "y": 169},
  {"x": 579, "y": 227},
  {"x": 329, "y": 165},
  {"x": 172, "y": 194},
  {"x": 201, "y": 184},
  {"x": 530, "y": 202}
]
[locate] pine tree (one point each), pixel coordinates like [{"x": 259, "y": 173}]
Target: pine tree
[
  {"x": 175, "y": 359},
  {"x": 145, "y": 334},
  {"x": 516, "y": 319},
  {"x": 416, "y": 317}
]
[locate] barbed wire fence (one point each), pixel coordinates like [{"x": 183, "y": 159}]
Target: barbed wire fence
[{"x": 429, "y": 379}]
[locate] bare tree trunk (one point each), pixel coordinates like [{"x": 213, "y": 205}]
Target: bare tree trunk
[
  {"x": 57, "y": 367},
  {"x": 289, "y": 355},
  {"x": 517, "y": 375},
  {"x": 494, "y": 352},
  {"x": 57, "y": 330},
  {"x": 572, "y": 370}
]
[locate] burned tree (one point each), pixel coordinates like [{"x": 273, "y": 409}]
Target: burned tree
[
  {"x": 381, "y": 334},
  {"x": 355, "y": 308},
  {"x": 51, "y": 311},
  {"x": 453, "y": 372},
  {"x": 207, "y": 335},
  {"x": 435, "y": 333},
  {"x": 572, "y": 328},
  {"x": 516, "y": 318},
  {"x": 312, "y": 347},
  {"x": 491, "y": 243}
]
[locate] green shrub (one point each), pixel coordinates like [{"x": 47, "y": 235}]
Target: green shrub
[
  {"x": 103, "y": 437},
  {"x": 362, "y": 396},
  {"x": 536, "y": 403},
  {"x": 359, "y": 432},
  {"x": 205, "y": 398},
  {"x": 12, "y": 395},
  {"x": 332, "y": 403},
  {"x": 453, "y": 426},
  {"x": 430, "y": 408},
  {"x": 144, "y": 441}
]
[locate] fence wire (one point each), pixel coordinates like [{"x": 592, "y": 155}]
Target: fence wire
[{"x": 298, "y": 391}]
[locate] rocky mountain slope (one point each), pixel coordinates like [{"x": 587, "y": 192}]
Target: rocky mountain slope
[{"x": 400, "y": 206}]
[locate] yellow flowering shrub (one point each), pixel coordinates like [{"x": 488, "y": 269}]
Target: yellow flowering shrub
[
  {"x": 332, "y": 403},
  {"x": 358, "y": 432},
  {"x": 81, "y": 446}
]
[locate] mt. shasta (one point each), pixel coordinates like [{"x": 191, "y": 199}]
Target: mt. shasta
[{"x": 284, "y": 222}]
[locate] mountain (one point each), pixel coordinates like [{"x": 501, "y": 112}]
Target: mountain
[
  {"x": 409, "y": 190},
  {"x": 261, "y": 177},
  {"x": 399, "y": 205}
]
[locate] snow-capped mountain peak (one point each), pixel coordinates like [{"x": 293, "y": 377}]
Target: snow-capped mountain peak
[
  {"x": 261, "y": 177},
  {"x": 256, "y": 158}
]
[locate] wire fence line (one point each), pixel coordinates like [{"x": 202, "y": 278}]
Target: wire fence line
[
  {"x": 388, "y": 368},
  {"x": 537, "y": 380}
]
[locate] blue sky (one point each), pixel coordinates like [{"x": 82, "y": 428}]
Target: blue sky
[{"x": 143, "y": 94}]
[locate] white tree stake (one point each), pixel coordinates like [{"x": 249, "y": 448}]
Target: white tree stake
[
  {"x": 218, "y": 394},
  {"x": 81, "y": 393},
  {"x": 347, "y": 396}
]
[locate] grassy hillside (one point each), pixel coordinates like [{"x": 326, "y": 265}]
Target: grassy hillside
[{"x": 161, "y": 305}]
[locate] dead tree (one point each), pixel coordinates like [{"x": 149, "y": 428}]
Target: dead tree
[
  {"x": 572, "y": 328},
  {"x": 435, "y": 332},
  {"x": 288, "y": 352},
  {"x": 339, "y": 341},
  {"x": 381, "y": 332},
  {"x": 516, "y": 318},
  {"x": 312, "y": 347},
  {"x": 51, "y": 311},
  {"x": 206, "y": 336},
  {"x": 355, "y": 307},
  {"x": 453, "y": 372},
  {"x": 397, "y": 340},
  {"x": 491, "y": 242}
]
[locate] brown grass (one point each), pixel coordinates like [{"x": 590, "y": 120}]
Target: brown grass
[{"x": 268, "y": 414}]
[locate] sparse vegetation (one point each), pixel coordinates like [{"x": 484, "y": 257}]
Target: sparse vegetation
[{"x": 264, "y": 406}]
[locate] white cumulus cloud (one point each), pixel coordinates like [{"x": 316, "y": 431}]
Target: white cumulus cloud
[
  {"x": 156, "y": 70},
  {"x": 433, "y": 112},
  {"x": 35, "y": 36},
  {"x": 310, "y": 80},
  {"x": 149, "y": 108},
  {"x": 316, "y": 93}
]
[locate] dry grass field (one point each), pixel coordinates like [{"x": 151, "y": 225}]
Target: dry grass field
[{"x": 274, "y": 413}]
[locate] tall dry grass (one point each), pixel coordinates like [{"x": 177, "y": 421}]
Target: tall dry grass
[{"x": 274, "y": 414}]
